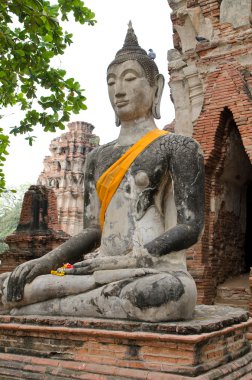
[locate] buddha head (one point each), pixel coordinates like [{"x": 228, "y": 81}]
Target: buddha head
[{"x": 134, "y": 83}]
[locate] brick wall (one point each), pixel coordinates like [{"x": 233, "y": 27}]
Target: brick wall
[
  {"x": 38, "y": 230},
  {"x": 223, "y": 238},
  {"x": 217, "y": 110},
  {"x": 225, "y": 88},
  {"x": 39, "y": 210}
]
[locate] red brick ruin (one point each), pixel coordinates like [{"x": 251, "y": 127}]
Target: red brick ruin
[
  {"x": 38, "y": 230},
  {"x": 211, "y": 85},
  {"x": 64, "y": 173}
]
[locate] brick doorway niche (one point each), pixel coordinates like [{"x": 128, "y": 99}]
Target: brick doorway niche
[
  {"x": 248, "y": 236},
  {"x": 230, "y": 174},
  {"x": 225, "y": 249}
]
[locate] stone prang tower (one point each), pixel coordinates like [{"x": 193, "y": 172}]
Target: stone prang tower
[
  {"x": 64, "y": 173},
  {"x": 211, "y": 87}
]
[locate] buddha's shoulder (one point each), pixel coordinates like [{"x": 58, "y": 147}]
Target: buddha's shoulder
[
  {"x": 97, "y": 151},
  {"x": 175, "y": 143}
]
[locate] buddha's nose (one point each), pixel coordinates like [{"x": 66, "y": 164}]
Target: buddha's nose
[{"x": 119, "y": 90}]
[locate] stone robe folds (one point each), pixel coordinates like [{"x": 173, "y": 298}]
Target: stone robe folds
[{"x": 110, "y": 180}]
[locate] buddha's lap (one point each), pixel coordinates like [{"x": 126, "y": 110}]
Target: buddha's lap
[{"x": 146, "y": 291}]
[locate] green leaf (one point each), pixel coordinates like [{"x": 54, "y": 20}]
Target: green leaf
[
  {"x": 20, "y": 52},
  {"x": 26, "y": 66},
  {"x": 48, "y": 38}
]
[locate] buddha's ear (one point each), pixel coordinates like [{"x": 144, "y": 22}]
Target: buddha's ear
[
  {"x": 159, "y": 83},
  {"x": 117, "y": 121}
]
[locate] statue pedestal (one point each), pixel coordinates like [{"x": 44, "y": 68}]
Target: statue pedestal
[{"x": 214, "y": 345}]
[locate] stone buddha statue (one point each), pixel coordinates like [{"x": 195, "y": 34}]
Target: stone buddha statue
[{"x": 144, "y": 206}]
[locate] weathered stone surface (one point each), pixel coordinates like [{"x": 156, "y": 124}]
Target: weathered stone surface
[
  {"x": 175, "y": 4},
  {"x": 211, "y": 91},
  {"x": 234, "y": 292},
  {"x": 235, "y": 12},
  {"x": 64, "y": 173},
  {"x": 206, "y": 319},
  {"x": 114, "y": 349}
]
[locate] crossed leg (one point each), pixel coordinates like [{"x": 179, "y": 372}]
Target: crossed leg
[{"x": 155, "y": 297}]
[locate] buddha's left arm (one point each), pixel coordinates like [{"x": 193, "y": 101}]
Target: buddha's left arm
[{"x": 186, "y": 167}]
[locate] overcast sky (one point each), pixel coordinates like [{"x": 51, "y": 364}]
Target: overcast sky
[{"x": 87, "y": 60}]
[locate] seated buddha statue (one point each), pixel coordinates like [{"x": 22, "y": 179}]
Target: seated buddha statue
[{"x": 143, "y": 206}]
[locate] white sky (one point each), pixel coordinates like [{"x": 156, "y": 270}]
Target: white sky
[{"x": 86, "y": 60}]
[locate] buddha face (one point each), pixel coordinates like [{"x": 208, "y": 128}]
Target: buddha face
[{"x": 129, "y": 90}]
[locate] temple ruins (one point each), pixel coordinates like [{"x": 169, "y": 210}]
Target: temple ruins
[
  {"x": 211, "y": 86},
  {"x": 210, "y": 71},
  {"x": 63, "y": 173},
  {"x": 38, "y": 230}
]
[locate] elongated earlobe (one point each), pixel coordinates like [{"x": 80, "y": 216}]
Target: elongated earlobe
[
  {"x": 157, "y": 100},
  {"x": 117, "y": 121}
]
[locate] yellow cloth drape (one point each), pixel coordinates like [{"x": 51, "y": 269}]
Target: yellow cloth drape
[{"x": 109, "y": 181}]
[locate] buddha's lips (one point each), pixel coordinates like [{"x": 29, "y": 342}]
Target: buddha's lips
[{"x": 122, "y": 103}]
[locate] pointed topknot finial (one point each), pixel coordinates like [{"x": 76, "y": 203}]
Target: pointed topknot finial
[{"x": 130, "y": 43}]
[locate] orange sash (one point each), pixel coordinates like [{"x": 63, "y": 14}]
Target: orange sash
[{"x": 109, "y": 181}]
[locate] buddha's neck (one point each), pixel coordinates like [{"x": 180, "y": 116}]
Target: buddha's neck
[{"x": 134, "y": 130}]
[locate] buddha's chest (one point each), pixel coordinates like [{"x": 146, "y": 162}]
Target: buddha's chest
[{"x": 147, "y": 171}]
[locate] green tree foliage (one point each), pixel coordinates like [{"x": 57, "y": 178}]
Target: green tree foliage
[
  {"x": 10, "y": 208},
  {"x": 30, "y": 37}
]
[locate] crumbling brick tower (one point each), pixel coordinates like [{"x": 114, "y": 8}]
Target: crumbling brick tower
[
  {"x": 38, "y": 231},
  {"x": 211, "y": 87},
  {"x": 64, "y": 173}
]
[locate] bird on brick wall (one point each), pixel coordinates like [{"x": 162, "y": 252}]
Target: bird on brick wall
[
  {"x": 151, "y": 54},
  {"x": 201, "y": 39}
]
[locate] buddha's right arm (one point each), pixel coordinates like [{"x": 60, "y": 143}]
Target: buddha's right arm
[
  {"x": 70, "y": 251},
  {"x": 74, "y": 248}
]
